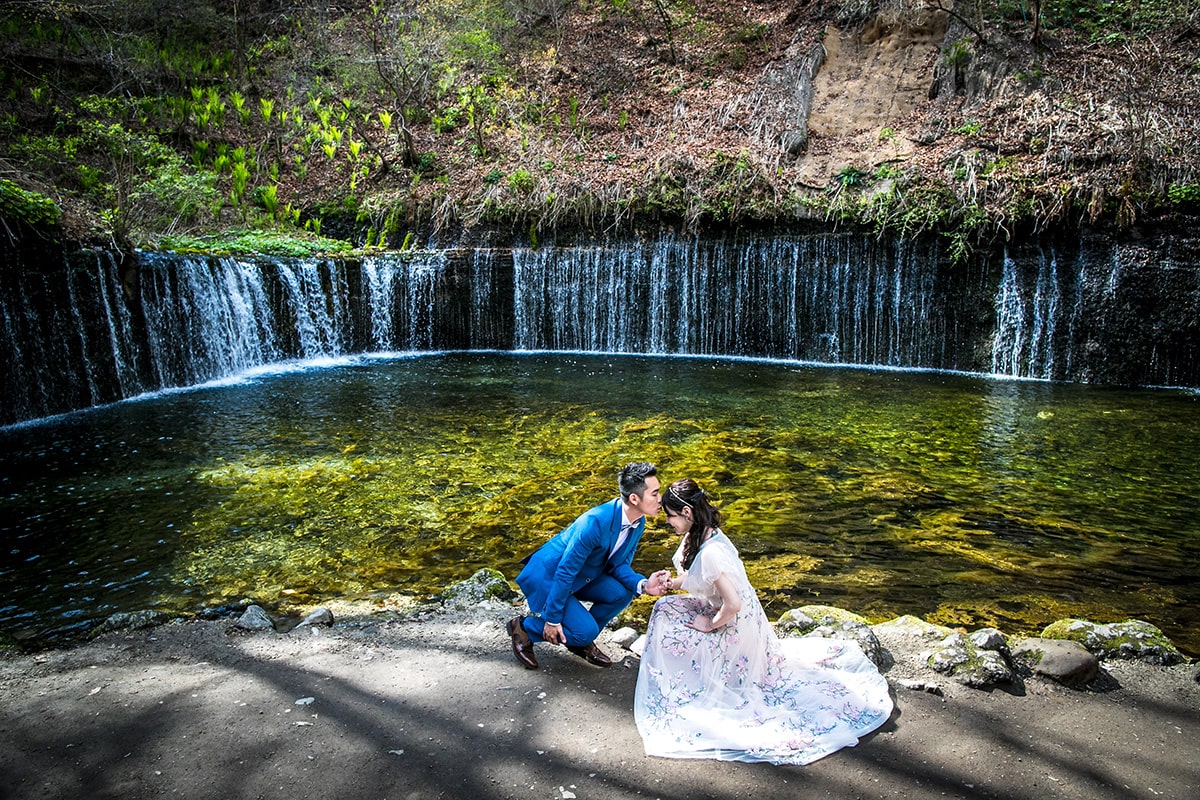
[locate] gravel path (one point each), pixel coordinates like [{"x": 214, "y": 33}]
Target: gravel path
[{"x": 439, "y": 708}]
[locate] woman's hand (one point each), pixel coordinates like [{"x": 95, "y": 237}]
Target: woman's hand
[
  {"x": 731, "y": 604},
  {"x": 675, "y": 582},
  {"x": 659, "y": 583}
]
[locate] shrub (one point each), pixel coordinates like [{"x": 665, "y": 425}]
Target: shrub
[{"x": 18, "y": 204}]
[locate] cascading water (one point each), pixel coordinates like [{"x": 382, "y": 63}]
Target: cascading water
[
  {"x": 1099, "y": 312},
  {"x": 76, "y": 334},
  {"x": 204, "y": 318},
  {"x": 378, "y": 285},
  {"x": 1028, "y": 313},
  {"x": 67, "y": 336},
  {"x": 837, "y": 299}
]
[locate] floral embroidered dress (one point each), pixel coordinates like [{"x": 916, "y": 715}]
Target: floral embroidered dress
[{"x": 741, "y": 693}]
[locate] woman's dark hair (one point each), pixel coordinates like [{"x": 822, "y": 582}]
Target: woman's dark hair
[
  {"x": 686, "y": 493},
  {"x": 632, "y": 479}
]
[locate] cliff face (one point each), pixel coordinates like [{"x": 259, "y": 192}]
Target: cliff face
[
  {"x": 869, "y": 91},
  {"x": 1024, "y": 136}
]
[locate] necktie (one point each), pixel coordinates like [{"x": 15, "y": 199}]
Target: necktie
[{"x": 621, "y": 537}]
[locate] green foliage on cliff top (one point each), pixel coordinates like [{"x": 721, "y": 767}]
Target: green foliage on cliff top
[
  {"x": 295, "y": 244},
  {"x": 24, "y": 206},
  {"x": 187, "y": 116}
]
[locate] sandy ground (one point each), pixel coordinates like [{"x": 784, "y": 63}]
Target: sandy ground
[{"x": 439, "y": 708}]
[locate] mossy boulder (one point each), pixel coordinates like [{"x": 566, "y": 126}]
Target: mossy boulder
[
  {"x": 814, "y": 615},
  {"x": 132, "y": 621},
  {"x": 1131, "y": 639},
  {"x": 959, "y": 657},
  {"x": 1062, "y": 660},
  {"x": 486, "y": 584},
  {"x": 908, "y": 627}
]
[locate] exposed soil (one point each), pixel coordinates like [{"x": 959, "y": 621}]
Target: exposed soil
[
  {"x": 609, "y": 112},
  {"x": 439, "y": 708}
]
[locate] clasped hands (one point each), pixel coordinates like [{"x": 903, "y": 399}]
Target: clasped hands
[
  {"x": 659, "y": 583},
  {"x": 700, "y": 622}
]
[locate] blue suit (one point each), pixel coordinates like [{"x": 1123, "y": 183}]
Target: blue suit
[{"x": 574, "y": 567}]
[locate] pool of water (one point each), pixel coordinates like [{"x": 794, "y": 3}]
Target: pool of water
[{"x": 965, "y": 500}]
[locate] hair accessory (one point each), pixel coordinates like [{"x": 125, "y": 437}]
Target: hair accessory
[{"x": 678, "y": 496}]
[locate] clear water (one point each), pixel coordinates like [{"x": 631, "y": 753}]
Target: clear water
[{"x": 964, "y": 500}]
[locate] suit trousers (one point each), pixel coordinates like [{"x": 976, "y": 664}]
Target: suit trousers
[{"x": 607, "y": 596}]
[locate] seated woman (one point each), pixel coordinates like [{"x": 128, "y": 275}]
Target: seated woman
[{"x": 716, "y": 682}]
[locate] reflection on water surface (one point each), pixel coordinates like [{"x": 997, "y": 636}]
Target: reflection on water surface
[{"x": 963, "y": 500}]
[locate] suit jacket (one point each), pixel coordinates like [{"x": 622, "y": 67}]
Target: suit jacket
[{"x": 576, "y": 557}]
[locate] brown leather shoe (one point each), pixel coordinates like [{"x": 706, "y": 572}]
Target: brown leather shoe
[
  {"x": 593, "y": 655},
  {"x": 522, "y": 645}
]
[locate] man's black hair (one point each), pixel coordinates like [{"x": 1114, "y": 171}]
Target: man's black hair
[{"x": 632, "y": 479}]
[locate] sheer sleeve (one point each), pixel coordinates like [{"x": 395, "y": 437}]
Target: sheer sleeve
[{"x": 719, "y": 557}]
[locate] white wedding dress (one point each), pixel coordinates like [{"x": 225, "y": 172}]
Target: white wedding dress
[{"x": 741, "y": 693}]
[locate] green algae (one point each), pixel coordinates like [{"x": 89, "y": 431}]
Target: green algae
[{"x": 969, "y": 502}]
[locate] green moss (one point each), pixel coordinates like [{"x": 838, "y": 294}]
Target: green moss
[
  {"x": 243, "y": 242},
  {"x": 818, "y": 613},
  {"x": 1132, "y": 638},
  {"x": 487, "y": 583}
]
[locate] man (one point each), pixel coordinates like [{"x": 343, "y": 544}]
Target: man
[{"x": 588, "y": 562}]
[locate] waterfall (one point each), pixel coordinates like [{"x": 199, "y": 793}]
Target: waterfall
[
  {"x": 205, "y": 319},
  {"x": 581, "y": 298},
  {"x": 111, "y": 330},
  {"x": 837, "y": 299},
  {"x": 1099, "y": 312},
  {"x": 1010, "y": 322},
  {"x": 317, "y": 296},
  {"x": 1028, "y": 313},
  {"x": 379, "y": 285},
  {"x": 422, "y": 310},
  {"x": 78, "y": 333},
  {"x": 68, "y": 336}
]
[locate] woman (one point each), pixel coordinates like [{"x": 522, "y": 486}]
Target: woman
[{"x": 716, "y": 682}]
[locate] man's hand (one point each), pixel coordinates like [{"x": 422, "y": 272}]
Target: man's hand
[
  {"x": 553, "y": 633},
  {"x": 659, "y": 583}
]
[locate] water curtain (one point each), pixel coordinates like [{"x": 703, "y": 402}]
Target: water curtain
[{"x": 76, "y": 335}]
